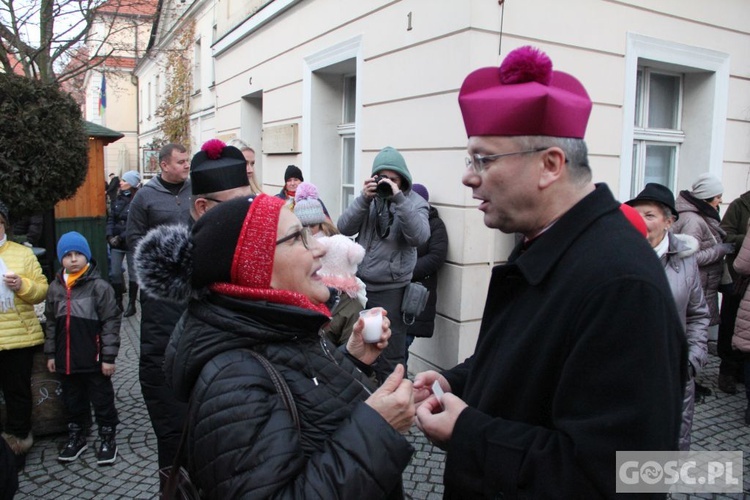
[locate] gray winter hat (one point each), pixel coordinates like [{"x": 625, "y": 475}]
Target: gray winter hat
[{"x": 707, "y": 186}]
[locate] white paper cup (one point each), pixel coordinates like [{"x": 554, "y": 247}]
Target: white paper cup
[{"x": 373, "y": 325}]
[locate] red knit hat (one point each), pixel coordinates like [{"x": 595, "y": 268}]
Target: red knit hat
[
  {"x": 524, "y": 97},
  {"x": 252, "y": 262}
]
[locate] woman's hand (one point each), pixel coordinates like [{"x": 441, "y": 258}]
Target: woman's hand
[
  {"x": 13, "y": 281},
  {"x": 394, "y": 400},
  {"x": 108, "y": 369},
  {"x": 368, "y": 353},
  {"x": 51, "y": 365}
]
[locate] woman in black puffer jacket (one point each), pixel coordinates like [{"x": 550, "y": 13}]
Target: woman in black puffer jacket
[
  {"x": 116, "y": 224},
  {"x": 430, "y": 258},
  {"x": 262, "y": 293}
]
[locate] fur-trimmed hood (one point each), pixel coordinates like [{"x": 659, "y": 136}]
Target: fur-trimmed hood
[
  {"x": 164, "y": 263},
  {"x": 682, "y": 245}
]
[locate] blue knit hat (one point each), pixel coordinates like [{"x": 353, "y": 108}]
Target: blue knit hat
[
  {"x": 132, "y": 177},
  {"x": 73, "y": 241}
]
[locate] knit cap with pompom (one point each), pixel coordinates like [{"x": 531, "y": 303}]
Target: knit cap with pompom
[{"x": 307, "y": 206}]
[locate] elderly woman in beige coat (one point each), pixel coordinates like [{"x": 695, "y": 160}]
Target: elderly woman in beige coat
[
  {"x": 741, "y": 337},
  {"x": 677, "y": 253},
  {"x": 22, "y": 285}
]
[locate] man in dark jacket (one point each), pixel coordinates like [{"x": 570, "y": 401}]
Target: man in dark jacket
[
  {"x": 580, "y": 350},
  {"x": 163, "y": 200}
]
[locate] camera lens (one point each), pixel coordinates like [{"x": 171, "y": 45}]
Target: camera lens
[{"x": 383, "y": 189}]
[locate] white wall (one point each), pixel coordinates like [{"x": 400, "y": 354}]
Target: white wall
[{"x": 411, "y": 58}]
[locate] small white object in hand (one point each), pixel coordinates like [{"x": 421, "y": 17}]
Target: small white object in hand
[{"x": 438, "y": 392}]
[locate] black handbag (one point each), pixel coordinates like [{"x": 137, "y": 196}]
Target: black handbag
[
  {"x": 177, "y": 482},
  {"x": 414, "y": 302}
]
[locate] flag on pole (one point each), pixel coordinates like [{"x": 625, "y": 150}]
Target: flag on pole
[{"x": 103, "y": 96}]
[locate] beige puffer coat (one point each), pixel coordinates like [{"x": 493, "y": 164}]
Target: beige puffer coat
[
  {"x": 710, "y": 255},
  {"x": 741, "y": 337},
  {"x": 20, "y": 327}
]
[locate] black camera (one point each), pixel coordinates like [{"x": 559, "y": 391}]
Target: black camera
[{"x": 383, "y": 189}]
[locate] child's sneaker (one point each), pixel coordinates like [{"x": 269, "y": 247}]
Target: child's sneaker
[
  {"x": 75, "y": 446},
  {"x": 108, "y": 448}
]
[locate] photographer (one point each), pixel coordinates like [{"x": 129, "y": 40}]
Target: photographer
[{"x": 390, "y": 221}]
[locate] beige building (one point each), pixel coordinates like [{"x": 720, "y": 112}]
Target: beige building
[
  {"x": 118, "y": 36},
  {"x": 181, "y": 37},
  {"x": 325, "y": 84}
]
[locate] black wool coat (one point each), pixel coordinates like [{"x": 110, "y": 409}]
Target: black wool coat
[
  {"x": 580, "y": 354},
  {"x": 430, "y": 258},
  {"x": 242, "y": 440}
]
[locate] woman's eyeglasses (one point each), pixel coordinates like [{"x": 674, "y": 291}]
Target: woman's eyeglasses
[{"x": 304, "y": 234}]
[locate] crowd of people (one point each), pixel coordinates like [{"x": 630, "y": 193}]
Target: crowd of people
[{"x": 262, "y": 378}]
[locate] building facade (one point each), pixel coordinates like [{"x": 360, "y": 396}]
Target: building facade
[
  {"x": 325, "y": 84},
  {"x": 116, "y": 41}
]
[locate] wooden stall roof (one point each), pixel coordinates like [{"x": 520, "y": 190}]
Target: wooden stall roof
[{"x": 107, "y": 135}]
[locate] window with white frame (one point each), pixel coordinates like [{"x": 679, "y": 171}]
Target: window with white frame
[
  {"x": 157, "y": 92},
  {"x": 197, "y": 66},
  {"x": 346, "y": 132},
  {"x": 149, "y": 102},
  {"x": 674, "y": 113},
  {"x": 331, "y": 110},
  {"x": 657, "y": 135}
]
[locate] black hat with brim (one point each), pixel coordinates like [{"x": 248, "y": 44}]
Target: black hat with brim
[{"x": 658, "y": 193}]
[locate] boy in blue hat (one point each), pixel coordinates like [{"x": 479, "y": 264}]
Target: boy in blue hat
[{"x": 82, "y": 340}]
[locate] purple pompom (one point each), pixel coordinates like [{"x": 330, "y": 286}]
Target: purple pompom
[
  {"x": 306, "y": 191},
  {"x": 526, "y": 64}
]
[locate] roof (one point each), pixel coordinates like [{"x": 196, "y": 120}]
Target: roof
[
  {"x": 129, "y": 7},
  {"x": 116, "y": 62},
  {"x": 17, "y": 68},
  {"x": 100, "y": 132}
]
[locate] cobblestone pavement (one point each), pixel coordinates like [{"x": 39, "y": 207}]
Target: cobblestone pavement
[{"x": 718, "y": 426}]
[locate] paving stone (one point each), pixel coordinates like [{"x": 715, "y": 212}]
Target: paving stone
[{"x": 718, "y": 425}]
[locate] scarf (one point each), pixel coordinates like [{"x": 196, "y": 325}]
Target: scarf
[
  {"x": 7, "y": 296},
  {"x": 71, "y": 278},
  {"x": 700, "y": 205},
  {"x": 661, "y": 248}
]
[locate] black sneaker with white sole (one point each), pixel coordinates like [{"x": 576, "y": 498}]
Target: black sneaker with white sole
[
  {"x": 108, "y": 448},
  {"x": 75, "y": 446}
]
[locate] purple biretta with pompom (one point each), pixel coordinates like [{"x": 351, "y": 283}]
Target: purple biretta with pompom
[{"x": 524, "y": 97}]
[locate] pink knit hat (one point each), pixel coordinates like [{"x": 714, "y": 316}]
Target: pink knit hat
[{"x": 524, "y": 97}]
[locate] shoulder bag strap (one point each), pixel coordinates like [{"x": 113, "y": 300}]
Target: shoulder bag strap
[
  {"x": 281, "y": 386},
  {"x": 170, "y": 487}
]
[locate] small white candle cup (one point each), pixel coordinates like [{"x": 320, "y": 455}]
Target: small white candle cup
[{"x": 373, "y": 319}]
